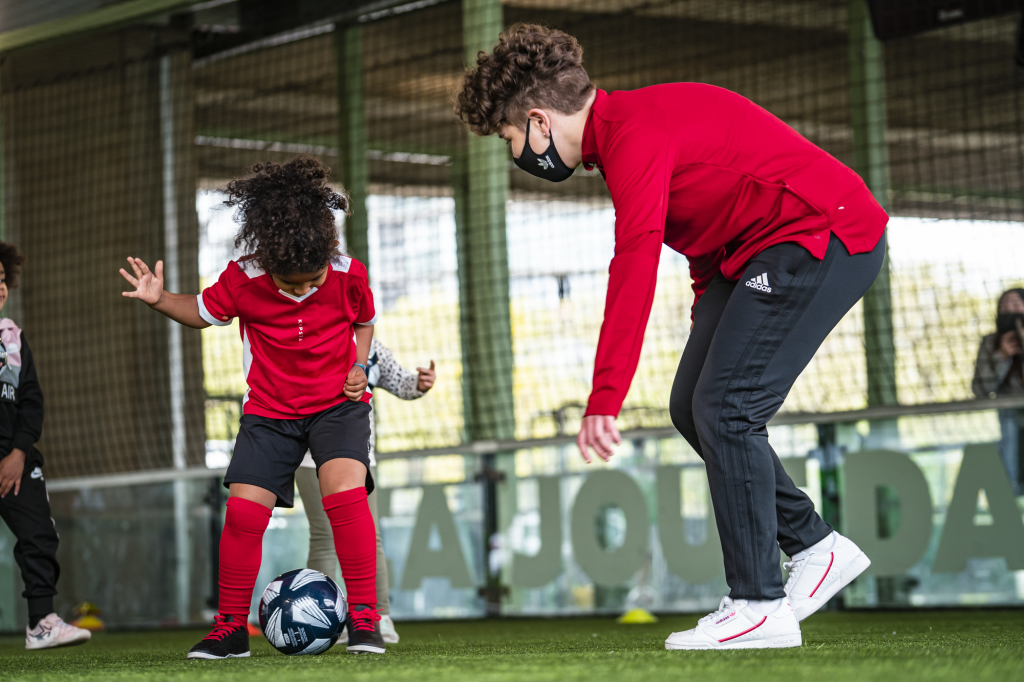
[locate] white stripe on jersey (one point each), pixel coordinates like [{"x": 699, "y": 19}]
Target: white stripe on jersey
[{"x": 205, "y": 314}]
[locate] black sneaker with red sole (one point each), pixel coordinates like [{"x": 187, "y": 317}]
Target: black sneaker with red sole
[
  {"x": 228, "y": 639},
  {"x": 364, "y": 630}
]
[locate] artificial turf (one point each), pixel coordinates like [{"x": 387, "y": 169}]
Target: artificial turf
[{"x": 905, "y": 646}]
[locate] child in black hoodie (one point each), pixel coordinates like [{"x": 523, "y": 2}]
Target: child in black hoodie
[{"x": 24, "y": 504}]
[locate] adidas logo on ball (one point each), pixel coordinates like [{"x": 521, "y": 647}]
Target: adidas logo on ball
[{"x": 760, "y": 283}]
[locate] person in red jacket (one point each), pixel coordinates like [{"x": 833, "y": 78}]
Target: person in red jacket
[{"x": 782, "y": 241}]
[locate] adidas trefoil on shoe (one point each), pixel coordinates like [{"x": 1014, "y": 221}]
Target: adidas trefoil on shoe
[
  {"x": 819, "y": 572},
  {"x": 52, "y": 632},
  {"x": 738, "y": 625}
]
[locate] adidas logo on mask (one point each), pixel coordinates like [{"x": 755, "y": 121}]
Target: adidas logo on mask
[{"x": 760, "y": 283}]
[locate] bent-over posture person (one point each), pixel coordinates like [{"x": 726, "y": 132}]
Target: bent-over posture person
[
  {"x": 382, "y": 371},
  {"x": 782, "y": 240}
]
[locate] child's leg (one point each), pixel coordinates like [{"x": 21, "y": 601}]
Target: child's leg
[
  {"x": 260, "y": 476},
  {"x": 27, "y": 514},
  {"x": 241, "y": 548},
  {"x": 321, "y": 538},
  {"x": 383, "y": 595},
  {"x": 339, "y": 442},
  {"x": 343, "y": 484}
]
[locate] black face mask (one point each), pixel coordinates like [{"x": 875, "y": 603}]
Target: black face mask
[{"x": 548, "y": 166}]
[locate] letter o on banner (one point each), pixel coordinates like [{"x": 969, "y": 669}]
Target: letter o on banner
[{"x": 600, "y": 490}]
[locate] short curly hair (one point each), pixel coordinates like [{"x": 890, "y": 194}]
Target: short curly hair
[
  {"x": 531, "y": 66},
  {"x": 285, "y": 213},
  {"x": 12, "y": 260}
]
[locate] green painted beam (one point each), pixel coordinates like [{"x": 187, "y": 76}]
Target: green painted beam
[
  {"x": 871, "y": 160},
  {"x": 98, "y": 20},
  {"x": 355, "y": 174},
  {"x": 482, "y": 176}
]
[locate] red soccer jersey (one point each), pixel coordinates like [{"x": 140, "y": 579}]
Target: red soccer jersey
[
  {"x": 716, "y": 178},
  {"x": 297, "y": 350}
]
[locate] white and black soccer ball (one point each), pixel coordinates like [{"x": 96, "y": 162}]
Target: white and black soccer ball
[{"x": 302, "y": 612}]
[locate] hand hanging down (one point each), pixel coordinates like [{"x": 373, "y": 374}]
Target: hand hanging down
[{"x": 598, "y": 431}]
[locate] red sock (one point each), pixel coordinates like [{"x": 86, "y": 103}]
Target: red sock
[
  {"x": 241, "y": 550},
  {"x": 355, "y": 541}
]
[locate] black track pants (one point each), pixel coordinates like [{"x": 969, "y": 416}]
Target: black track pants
[
  {"x": 747, "y": 347},
  {"x": 27, "y": 514}
]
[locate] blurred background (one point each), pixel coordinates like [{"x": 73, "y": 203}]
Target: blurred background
[{"x": 121, "y": 121}]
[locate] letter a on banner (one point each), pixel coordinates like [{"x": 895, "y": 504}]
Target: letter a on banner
[
  {"x": 448, "y": 561},
  {"x": 981, "y": 469}
]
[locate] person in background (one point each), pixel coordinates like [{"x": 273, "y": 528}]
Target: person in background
[
  {"x": 1000, "y": 371},
  {"x": 382, "y": 371},
  {"x": 24, "y": 503}
]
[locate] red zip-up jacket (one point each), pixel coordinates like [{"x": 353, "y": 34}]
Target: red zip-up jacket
[{"x": 718, "y": 179}]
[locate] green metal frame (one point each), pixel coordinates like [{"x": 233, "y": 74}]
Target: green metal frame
[{"x": 871, "y": 160}]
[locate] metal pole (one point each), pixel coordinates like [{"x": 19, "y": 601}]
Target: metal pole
[
  {"x": 871, "y": 160},
  {"x": 355, "y": 174},
  {"x": 176, "y": 374},
  {"x": 480, "y": 193}
]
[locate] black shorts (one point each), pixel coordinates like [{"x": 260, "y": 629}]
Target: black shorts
[{"x": 268, "y": 451}]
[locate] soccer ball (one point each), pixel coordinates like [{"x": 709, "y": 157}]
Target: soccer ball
[{"x": 302, "y": 612}]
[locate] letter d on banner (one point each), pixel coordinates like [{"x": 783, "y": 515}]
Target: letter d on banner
[{"x": 863, "y": 474}]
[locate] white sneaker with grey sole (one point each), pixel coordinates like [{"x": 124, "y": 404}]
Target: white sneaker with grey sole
[
  {"x": 737, "y": 625},
  {"x": 387, "y": 630},
  {"x": 52, "y": 632},
  {"x": 819, "y": 572}
]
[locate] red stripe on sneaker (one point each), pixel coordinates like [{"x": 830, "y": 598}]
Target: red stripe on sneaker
[
  {"x": 745, "y": 631},
  {"x": 831, "y": 558}
]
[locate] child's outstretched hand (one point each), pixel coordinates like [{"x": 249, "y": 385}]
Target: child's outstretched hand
[
  {"x": 425, "y": 378},
  {"x": 355, "y": 383},
  {"x": 148, "y": 286}
]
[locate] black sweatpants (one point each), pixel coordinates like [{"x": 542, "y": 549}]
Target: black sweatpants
[
  {"x": 750, "y": 341},
  {"x": 27, "y": 514}
]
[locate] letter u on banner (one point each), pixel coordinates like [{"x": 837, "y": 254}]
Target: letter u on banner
[
  {"x": 603, "y": 489},
  {"x": 692, "y": 563}
]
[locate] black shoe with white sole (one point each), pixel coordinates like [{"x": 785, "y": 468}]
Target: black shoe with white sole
[
  {"x": 228, "y": 639},
  {"x": 364, "y": 630}
]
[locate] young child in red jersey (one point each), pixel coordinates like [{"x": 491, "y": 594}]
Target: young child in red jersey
[{"x": 306, "y": 318}]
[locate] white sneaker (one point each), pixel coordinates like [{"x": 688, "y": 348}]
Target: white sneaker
[
  {"x": 387, "y": 630},
  {"x": 53, "y": 632},
  {"x": 735, "y": 625},
  {"x": 819, "y": 572}
]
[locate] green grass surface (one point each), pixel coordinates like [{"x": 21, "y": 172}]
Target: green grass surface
[{"x": 969, "y": 645}]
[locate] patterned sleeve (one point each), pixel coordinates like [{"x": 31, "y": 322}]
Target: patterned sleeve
[{"x": 393, "y": 377}]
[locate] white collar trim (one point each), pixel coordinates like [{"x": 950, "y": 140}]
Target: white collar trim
[{"x": 298, "y": 299}]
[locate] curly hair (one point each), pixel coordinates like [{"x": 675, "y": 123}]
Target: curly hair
[
  {"x": 531, "y": 66},
  {"x": 285, "y": 215},
  {"x": 12, "y": 260}
]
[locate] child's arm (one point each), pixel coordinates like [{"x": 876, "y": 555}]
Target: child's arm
[
  {"x": 149, "y": 288},
  {"x": 355, "y": 384},
  {"x": 399, "y": 381}
]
